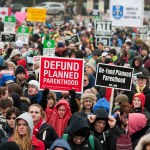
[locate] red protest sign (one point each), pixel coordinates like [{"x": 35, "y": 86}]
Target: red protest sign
[{"x": 61, "y": 74}]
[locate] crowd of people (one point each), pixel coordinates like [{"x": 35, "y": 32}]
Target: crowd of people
[{"x": 32, "y": 119}]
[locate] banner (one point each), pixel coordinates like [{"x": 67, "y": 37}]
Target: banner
[
  {"x": 61, "y": 74},
  {"x": 114, "y": 76},
  {"x": 49, "y": 48},
  {"x": 23, "y": 34},
  {"x": 129, "y": 13},
  {"x": 36, "y": 14}
]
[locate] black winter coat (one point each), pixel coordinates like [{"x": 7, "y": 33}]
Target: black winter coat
[{"x": 47, "y": 134}]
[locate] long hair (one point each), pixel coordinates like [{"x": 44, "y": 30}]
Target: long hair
[
  {"x": 24, "y": 141},
  {"x": 43, "y": 115}
]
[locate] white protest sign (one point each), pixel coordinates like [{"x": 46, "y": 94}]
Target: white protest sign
[
  {"x": 127, "y": 12},
  {"x": 23, "y": 34},
  {"x": 9, "y": 24},
  {"x": 49, "y": 48},
  {"x": 103, "y": 28}
]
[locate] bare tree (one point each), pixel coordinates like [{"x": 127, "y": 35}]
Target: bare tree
[{"x": 79, "y": 7}]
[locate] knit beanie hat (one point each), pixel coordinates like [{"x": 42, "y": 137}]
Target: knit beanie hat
[
  {"x": 124, "y": 142},
  {"x": 101, "y": 114},
  {"x": 20, "y": 69},
  {"x": 91, "y": 65},
  {"x": 121, "y": 98},
  {"x": 34, "y": 83},
  {"x": 141, "y": 96}
]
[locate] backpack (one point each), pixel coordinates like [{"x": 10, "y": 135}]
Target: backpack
[{"x": 91, "y": 140}]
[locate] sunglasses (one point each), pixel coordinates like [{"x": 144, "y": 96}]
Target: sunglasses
[{"x": 9, "y": 118}]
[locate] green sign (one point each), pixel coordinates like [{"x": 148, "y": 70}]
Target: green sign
[
  {"x": 11, "y": 19},
  {"x": 23, "y": 34},
  {"x": 49, "y": 48},
  {"x": 23, "y": 29}
]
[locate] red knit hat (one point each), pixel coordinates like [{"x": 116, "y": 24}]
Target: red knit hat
[
  {"x": 141, "y": 96},
  {"x": 124, "y": 142}
]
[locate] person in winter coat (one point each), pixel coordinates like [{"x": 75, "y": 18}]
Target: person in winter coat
[
  {"x": 8, "y": 129},
  {"x": 60, "y": 116},
  {"x": 33, "y": 92},
  {"x": 137, "y": 65},
  {"x": 60, "y": 143},
  {"x": 78, "y": 135},
  {"x": 87, "y": 102},
  {"x": 142, "y": 87},
  {"x": 42, "y": 130},
  {"x": 144, "y": 143},
  {"x": 138, "y": 103},
  {"x": 23, "y": 134},
  {"x": 104, "y": 128}
]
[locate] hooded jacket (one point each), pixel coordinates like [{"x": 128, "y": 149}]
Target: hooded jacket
[
  {"x": 59, "y": 124},
  {"x": 108, "y": 137},
  {"x": 60, "y": 143},
  {"x": 36, "y": 144},
  {"x": 143, "y": 142},
  {"x": 139, "y": 68},
  {"x": 80, "y": 127}
]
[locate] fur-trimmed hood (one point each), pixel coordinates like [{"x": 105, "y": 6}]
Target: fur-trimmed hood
[
  {"x": 143, "y": 141},
  {"x": 25, "y": 99}
]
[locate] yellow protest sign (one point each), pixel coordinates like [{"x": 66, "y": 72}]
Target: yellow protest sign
[{"x": 36, "y": 14}]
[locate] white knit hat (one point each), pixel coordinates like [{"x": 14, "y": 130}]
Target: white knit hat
[
  {"x": 90, "y": 64},
  {"x": 34, "y": 83}
]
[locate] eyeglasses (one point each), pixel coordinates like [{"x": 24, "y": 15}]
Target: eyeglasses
[
  {"x": 36, "y": 112},
  {"x": 22, "y": 124},
  {"x": 9, "y": 118}
]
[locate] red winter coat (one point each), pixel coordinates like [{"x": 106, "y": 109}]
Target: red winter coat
[
  {"x": 37, "y": 144},
  {"x": 60, "y": 124}
]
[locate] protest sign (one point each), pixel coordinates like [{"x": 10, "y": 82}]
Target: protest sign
[
  {"x": 142, "y": 31},
  {"x": 104, "y": 39},
  {"x": 23, "y": 34},
  {"x": 74, "y": 39},
  {"x": 36, "y": 14},
  {"x": 58, "y": 23},
  {"x": 6, "y": 37},
  {"x": 9, "y": 24},
  {"x": 89, "y": 6},
  {"x": 117, "y": 77},
  {"x": 20, "y": 16},
  {"x": 127, "y": 12},
  {"x": 61, "y": 74},
  {"x": 103, "y": 28},
  {"x": 49, "y": 48}
]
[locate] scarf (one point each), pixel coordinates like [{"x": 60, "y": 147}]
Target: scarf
[
  {"x": 37, "y": 127},
  {"x": 140, "y": 89}
]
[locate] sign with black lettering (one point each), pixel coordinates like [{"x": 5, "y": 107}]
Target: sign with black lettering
[
  {"x": 74, "y": 39},
  {"x": 103, "y": 28},
  {"x": 8, "y": 37},
  {"x": 104, "y": 39},
  {"x": 143, "y": 31},
  {"x": 114, "y": 76},
  {"x": 58, "y": 23}
]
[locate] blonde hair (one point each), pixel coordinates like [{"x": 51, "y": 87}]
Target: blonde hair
[
  {"x": 43, "y": 115},
  {"x": 24, "y": 142}
]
